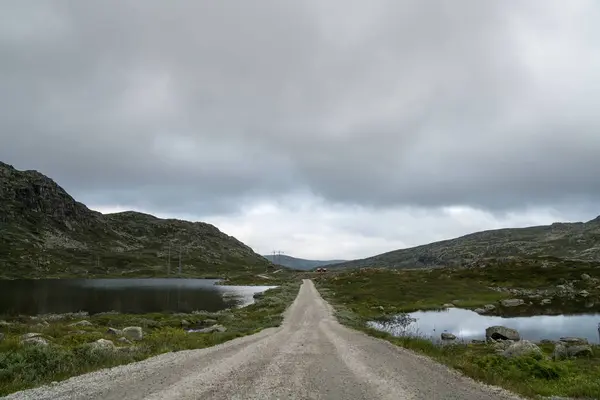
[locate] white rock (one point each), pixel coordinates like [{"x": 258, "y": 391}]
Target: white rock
[{"x": 133, "y": 332}]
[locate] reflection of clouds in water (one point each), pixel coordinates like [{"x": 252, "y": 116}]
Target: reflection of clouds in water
[
  {"x": 244, "y": 294},
  {"x": 467, "y": 324}
]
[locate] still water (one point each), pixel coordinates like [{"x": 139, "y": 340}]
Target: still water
[
  {"x": 45, "y": 296},
  {"x": 468, "y": 325}
]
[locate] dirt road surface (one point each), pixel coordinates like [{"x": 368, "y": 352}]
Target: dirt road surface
[{"x": 310, "y": 356}]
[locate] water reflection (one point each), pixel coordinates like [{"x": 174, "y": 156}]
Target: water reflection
[
  {"x": 468, "y": 325},
  {"x": 30, "y": 297}
]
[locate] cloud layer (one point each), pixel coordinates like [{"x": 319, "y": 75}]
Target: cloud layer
[{"x": 211, "y": 108}]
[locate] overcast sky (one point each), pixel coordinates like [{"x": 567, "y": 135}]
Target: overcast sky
[{"x": 325, "y": 129}]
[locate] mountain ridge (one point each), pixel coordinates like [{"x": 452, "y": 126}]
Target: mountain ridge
[
  {"x": 565, "y": 240},
  {"x": 299, "y": 263},
  {"x": 46, "y": 232}
]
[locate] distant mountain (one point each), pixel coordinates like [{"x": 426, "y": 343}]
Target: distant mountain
[
  {"x": 45, "y": 232},
  {"x": 571, "y": 241},
  {"x": 298, "y": 263}
]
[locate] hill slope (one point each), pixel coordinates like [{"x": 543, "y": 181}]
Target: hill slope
[
  {"x": 573, "y": 241},
  {"x": 298, "y": 263},
  {"x": 45, "y": 232}
]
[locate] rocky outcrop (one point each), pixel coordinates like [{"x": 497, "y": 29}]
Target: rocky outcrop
[{"x": 41, "y": 220}]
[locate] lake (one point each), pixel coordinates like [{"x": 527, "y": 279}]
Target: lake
[
  {"x": 468, "y": 325},
  {"x": 57, "y": 296}
]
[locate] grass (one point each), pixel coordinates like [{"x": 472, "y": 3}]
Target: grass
[
  {"x": 362, "y": 295},
  {"x": 70, "y": 354}
]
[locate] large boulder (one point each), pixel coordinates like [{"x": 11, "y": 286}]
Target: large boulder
[
  {"x": 479, "y": 310},
  {"x": 521, "y": 348},
  {"x": 133, "y": 332},
  {"x": 571, "y": 349},
  {"x": 102, "y": 345},
  {"x": 573, "y": 340},
  {"x": 512, "y": 302},
  {"x": 448, "y": 336},
  {"x": 501, "y": 333}
]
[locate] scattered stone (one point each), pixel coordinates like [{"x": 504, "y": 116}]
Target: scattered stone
[
  {"x": 77, "y": 332},
  {"x": 39, "y": 326},
  {"x": 489, "y": 307},
  {"x": 211, "y": 329},
  {"x": 1, "y": 336},
  {"x": 5, "y": 324},
  {"x": 133, "y": 332},
  {"x": 475, "y": 341},
  {"x": 30, "y": 335},
  {"x": 35, "y": 340},
  {"x": 545, "y": 302},
  {"x": 521, "y": 348},
  {"x": 81, "y": 323},
  {"x": 209, "y": 322},
  {"x": 448, "y": 336},
  {"x": 501, "y": 333},
  {"x": 584, "y": 293},
  {"x": 185, "y": 323},
  {"x": 512, "y": 302},
  {"x": 573, "y": 340},
  {"x": 585, "y": 277},
  {"x": 448, "y": 305},
  {"x": 113, "y": 331},
  {"x": 479, "y": 310},
  {"x": 102, "y": 345},
  {"x": 124, "y": 340}
]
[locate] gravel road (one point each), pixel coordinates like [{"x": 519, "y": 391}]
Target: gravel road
[{"x": 311, "y": 356}]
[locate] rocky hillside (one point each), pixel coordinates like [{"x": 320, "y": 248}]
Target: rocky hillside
[
  {"x": 45, "y": 232},
  {"x": 567, "y": 241},
  {"x": 298, "y": 263}
]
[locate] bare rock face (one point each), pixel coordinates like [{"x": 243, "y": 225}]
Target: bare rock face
[{"x": 501, "y": 333}]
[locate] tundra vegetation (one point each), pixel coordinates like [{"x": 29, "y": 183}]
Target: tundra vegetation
[
  {"x": 569, "y": 369},
  {"x": 36, "y": 350}
]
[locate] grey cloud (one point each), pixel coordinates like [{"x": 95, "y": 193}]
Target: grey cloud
[{"x": 199, "y": 105}]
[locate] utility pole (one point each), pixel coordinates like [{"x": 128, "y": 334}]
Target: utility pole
[
  {"x": 169, "y": 261},
  {"x": 180, "y": 260}
]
